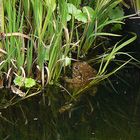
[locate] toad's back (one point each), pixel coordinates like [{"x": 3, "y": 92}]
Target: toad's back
[{"x": 82, "y": 74}]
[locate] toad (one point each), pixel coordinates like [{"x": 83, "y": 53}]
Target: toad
[{"x": 82, "y": 74}]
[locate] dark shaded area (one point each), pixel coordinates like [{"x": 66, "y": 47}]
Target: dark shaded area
[{"x": 132, "y": 24}]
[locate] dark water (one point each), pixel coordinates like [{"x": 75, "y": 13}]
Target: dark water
[{"x": 113, "y": 114}]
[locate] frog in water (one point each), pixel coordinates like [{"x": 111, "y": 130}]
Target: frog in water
[{"x": 82, "y": 74}]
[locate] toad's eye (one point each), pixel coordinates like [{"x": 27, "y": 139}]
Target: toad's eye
[{"x": 76, "y": 68}]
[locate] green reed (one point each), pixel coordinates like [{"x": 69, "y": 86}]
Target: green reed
[
  {"x": 136, "y": 5},
  {"x": 14, "y": 46},
  {"x": 39, "y": 37}
]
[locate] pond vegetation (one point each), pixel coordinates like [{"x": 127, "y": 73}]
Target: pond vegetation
[
  {"x": 62, "y": 51},
  {"x": 40, "y": 39}
]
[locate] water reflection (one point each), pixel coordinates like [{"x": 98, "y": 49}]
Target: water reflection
[{"x": 110, "y": 115}]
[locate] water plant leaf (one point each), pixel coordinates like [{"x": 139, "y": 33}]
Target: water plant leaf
[
  {"x": 22, "y": 81},
  {"x": 80, "y": 16},
  {"x": 51, "y": 3},
  {"x": 71, "y": 9},
  {"x": 88, "y": 11},
  {"x": 68, "y": 17},
  {"x": 116, "y": 27},
  {"x": 77, "y": 13},
  {"x": 19, "y": 81},
  {"x": 47, "y": 51},
  {"x": 29, "y": 82},
  {"x": 117, "y": 12}
]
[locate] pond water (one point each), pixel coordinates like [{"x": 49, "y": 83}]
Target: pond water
[{"x": 113, "y": 114}]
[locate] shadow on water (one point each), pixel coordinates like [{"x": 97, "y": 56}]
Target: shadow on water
[{"x": 110, "y": 115}]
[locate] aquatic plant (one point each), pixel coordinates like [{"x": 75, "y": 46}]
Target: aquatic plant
[
  {"x": 105, "y": 60},
  {"x": 39, "y": 38},
  {"x": 136, "y": 5}
]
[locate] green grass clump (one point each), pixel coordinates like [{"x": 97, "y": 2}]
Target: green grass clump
[{"x": 39, "y": 36}]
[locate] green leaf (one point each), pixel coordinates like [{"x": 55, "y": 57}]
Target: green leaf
[
  {"x": 81, "y": 17},
  {"x": 71, "y": 9},
  {"x": 47, "y": 51},
  {"x": 78, "y": 14},
  {"x": 19, "y": 81},
  {"x": 51, "y": 3},
  {"x": 116, "y": 13},
  {"x": 68, "y": 17},
  {"x": 29, "y": 82},
  {"x": 88, "y": 11},
  {"x": 116, "y": 27}
]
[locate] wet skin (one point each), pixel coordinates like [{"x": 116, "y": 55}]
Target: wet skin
[{"x": 82, "y": 74}]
